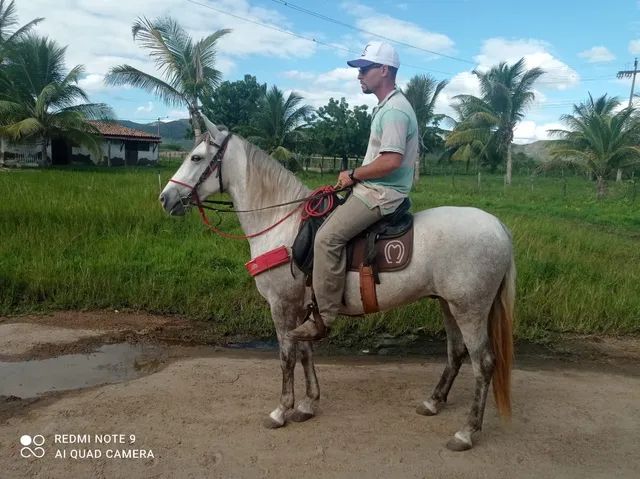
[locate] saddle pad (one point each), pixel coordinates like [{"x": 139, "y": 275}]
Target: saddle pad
[{"x": 392, "y": 254}]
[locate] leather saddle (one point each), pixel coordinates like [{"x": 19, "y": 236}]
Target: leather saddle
[{"x": 383, "y": 247}]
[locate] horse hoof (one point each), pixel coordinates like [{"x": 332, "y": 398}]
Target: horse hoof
[
  {"x": 425, "y": 411},
  {"x": 299, "y": 416},
  {"x": 458, "y": 445},
  {"x": 270, "y": 423}
]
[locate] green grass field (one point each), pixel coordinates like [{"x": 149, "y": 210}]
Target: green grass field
[{"x": 97, "y": 238}]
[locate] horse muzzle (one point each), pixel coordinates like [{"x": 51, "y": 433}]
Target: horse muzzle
[{"x": 172, "y": 202}]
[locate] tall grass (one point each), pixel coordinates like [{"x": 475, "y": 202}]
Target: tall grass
[{"x": 97, "y": 238}]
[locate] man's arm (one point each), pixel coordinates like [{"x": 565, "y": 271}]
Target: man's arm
[{"x": 384, "y": 164}]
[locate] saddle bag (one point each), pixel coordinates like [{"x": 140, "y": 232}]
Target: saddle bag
[{"x": 302, "y": 249}]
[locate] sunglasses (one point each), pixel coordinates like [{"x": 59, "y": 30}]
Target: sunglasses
[{"x": 364, "y": 70}]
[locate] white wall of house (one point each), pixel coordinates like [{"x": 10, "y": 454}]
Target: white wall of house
[
  {"x": 114, "y": 150},
  {"x": 109, "y": 149},
  {"x": 21, "y": 154},
  {"x": 152, "y": 153},
  {"x": 29, "y": 153}
]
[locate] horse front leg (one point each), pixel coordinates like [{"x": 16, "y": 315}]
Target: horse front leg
[
  {"x": 285, "y": 316},
  {"x": 306, "y": 408},
  {"x": 276, "y": 418}
]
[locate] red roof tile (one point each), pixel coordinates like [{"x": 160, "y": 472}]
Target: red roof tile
[{"x": 112, "y": 129}]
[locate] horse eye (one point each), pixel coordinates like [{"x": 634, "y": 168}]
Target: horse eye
[{"x": 196, "y": 158}]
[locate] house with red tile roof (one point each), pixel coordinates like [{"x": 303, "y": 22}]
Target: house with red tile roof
[{"x": 120, "y": 146}]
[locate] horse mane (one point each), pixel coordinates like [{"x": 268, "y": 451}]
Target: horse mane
[{"x": 275, "y": 183}]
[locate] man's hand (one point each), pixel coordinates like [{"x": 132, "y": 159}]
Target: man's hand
[{"x": 343, "y": 180}]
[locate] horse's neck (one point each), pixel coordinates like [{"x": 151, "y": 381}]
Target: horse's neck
[{"x": 255, "y": 183}]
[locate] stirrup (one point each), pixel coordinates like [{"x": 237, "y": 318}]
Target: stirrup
[{"x": 313, "y": 313}]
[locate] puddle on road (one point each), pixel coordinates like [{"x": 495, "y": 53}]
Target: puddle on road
[
  {"x": 109, "y": 364},
  {"x": 114, "y": 363}
]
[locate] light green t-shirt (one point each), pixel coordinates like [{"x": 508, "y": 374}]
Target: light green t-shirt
[{"x": 394, "y": 128}]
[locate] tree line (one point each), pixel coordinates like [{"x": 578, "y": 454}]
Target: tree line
[{"x": 41, "y": 100}]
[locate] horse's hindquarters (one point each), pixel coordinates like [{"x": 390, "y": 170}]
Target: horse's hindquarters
[{"x": 459, "y": 254}]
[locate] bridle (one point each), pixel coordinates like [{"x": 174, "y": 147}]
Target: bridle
[
  {"x": 312, "y": 205},
  {"x": 214, "y": 164}
]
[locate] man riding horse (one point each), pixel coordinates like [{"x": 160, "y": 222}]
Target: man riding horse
[{"x": 380, "y": 185}]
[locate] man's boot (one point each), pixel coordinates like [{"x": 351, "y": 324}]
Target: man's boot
[{"x": 312, "y": 328}]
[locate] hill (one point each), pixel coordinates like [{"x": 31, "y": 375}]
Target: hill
[
  {"x": 174, "y": 132},
  {"x": 538, "y": 150}
]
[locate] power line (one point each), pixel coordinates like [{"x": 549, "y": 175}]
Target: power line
[
  {"x": 338, "y": 22},
  {"x": 302, "y": 37}
]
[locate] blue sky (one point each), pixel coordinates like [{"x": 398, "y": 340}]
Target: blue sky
[{"x": 581, "y": 45}]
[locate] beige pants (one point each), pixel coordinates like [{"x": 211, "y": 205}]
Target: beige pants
[{"x": 329, "y": 260}]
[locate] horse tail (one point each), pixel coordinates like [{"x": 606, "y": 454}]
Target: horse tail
[{"x": 501, "y": 332}]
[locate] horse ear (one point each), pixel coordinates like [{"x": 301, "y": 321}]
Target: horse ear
[{"x": 211, "y": 128}]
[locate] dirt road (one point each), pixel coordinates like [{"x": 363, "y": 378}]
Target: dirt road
[{"x": 198, "y": 412}]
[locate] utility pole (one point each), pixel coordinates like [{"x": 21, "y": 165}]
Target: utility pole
[
  {"x": 630, "y": 74},
  {"x": 627, "y": 74}
]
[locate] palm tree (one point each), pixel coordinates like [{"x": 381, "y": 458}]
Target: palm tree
[
  {"x": 187, "y": 67},
  {"x": 422, "y": 92},
  {"x": 8, "y": 21},
  {"x": 598, "y": 139},
  {"x": 279, "y": 121},
  {"x": 471, "y": 136},
  {"x": 506, "y": 93},
  {"x": 40, "y": 100}
]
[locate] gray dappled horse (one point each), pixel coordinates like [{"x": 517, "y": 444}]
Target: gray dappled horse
[{"x": 462, "y": 256}]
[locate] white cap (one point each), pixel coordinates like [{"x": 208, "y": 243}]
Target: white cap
[{"x": 377, "y": 52}]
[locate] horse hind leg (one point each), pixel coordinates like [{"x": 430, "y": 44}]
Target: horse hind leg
[
  {"x": 473, "y": 327},
  {"x": 306, "y": 408},
  {"x": 456, "y": 351}
]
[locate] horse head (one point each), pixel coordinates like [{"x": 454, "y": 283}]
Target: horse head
[{"x": 199, "y": 175}]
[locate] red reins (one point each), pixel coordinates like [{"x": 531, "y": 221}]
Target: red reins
[
  {"x": 319, "y": 203},
  {"x": 314, "y": 206}
]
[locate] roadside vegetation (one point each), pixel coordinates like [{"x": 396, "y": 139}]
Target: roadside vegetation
[{"x": 97, "y": 239}]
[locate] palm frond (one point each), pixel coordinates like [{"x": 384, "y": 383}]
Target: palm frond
[
  {"x": 22, "y": 31},
  {"x": 206, "y": 47},
  {"x": 93, "y": 111},
  {"x": 23, "y": 129},
  {"x": 128, "y": 75},
  {"x": 166, "y": 40}
]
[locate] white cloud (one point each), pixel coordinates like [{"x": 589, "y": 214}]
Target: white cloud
[
  {"x": 177, "y": 115},
  {"x": 529, "y": 131},
  {"x": 634, "y": 47},
  {"x": 93, "y": 83},
  {"x": 98, "y": 33},
  {"x": 597, "y": 55},
  {"x": 465, "y": 83},
  {"x": 402, "y": 31},
  {"x": 338, "y": 76},
  {"x": 298, "y": 75},
  {"x": 336, "y": 83},
  {"x": 558, "y": 75},
  {"x": 148, "y": 108}
]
